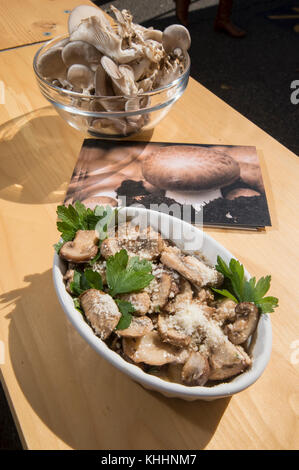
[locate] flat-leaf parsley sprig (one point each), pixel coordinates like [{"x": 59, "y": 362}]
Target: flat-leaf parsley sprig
[
  {"x": 124, "y": 275},
  {"x": 77, "y": 217},
  {"x": 238, "y": 289}
]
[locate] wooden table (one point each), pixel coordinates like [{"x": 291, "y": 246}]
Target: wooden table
[
  {"x": 23, "y": 23},
  {"x": 62, "y": 394}
]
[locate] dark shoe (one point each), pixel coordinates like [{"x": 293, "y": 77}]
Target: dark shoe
[{"x": 229, "y": 28}]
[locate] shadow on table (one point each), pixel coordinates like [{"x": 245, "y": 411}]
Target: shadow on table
[
  {"x": 38, "y": 153},
  {"x": 80, "y": 397}
]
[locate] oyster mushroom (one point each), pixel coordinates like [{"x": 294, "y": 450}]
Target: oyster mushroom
[
  {"x": 103, "y": 87},
  {"x": 80, "y": 77},
  {"x": 51, "y": 66},
  {"x": 82, "y": 248},
  {"x": 176, "y": 36},
  {"x": 247, "y": 316},
  {"x": 122, "y": 77},
  {"x": 152, "y": 351},
  {"x": 196, "y": 370},
  {"x": 102, "y": 84},
  {"x": 79, "y": 52},
  {"x": 139, "y": 326},
  {"x": 97, "y": 34},
  {"x": 140, "y": 68},
  {"x": 82, "y": 12},
  {"x": 191, "y": 268},
  {"x": 124, "y": 20},
  {"x": 168, "y": 75},
  {"x": 154, "y": 34},
  {"x": 101, "y": 311}
]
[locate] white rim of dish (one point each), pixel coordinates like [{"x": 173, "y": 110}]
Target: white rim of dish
[{"x": 237, "y": 384}]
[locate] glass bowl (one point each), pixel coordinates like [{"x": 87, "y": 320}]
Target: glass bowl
[{"x": 88, "y": 113}]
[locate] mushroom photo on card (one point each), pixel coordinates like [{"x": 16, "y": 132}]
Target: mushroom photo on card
[{"x": 219, "y": 184}]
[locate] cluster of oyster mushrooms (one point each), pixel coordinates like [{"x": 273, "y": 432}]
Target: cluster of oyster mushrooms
[
  {"x": 103, "y": 57},
  {"x": 178, "y": 331}
]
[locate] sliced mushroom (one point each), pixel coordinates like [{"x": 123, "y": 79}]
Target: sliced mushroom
[
  {"x": 164, "y": 286},
  {"x": 80, "y": 77},
  {"x": 140, "y": 300},
  {"x": 79, "y": 52},
  {"x": 101, "y": 311},
  {"x": 205, "y": 296},
  {"x": 227, "y": 360},
  {"x": 139, "y": 326},
  {"x": 183, "y": 297},
  {"x": 100, "y": 267},
  {"x": 196, "y": 370},
  {"x": 170, "y": 333},
  {"x": 145, "y": 243},
  {"x": 194, "y": 320},
  {"x": 151, "y": 350},
  {"x": 176, "y": 36},
  {"x": 247, "y": 316},
  {"x": 109, "y": 247},
  {"x": 191, "y": 268},
  {"x": 82, "y": 248},
  {"x": 225, "y": 311},
  {"x": 68, "y": 278}
]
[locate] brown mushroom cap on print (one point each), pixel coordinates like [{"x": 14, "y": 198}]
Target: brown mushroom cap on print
[
  {"x": 92, "y": 202},
  {"x": 240, "y": 153},
  {"x": 241, "y": 192},
  {"x": 189, "y": 168}
]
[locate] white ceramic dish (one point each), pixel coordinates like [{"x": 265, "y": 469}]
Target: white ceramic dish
[{"x": 190, "y": 239}]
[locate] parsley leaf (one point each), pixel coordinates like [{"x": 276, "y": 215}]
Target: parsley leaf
[
  {"x": 239, "y": 289},
  {"x": 226, "y": 293},
  {"x": 57, "y": 247},
  {"x": 124, "y": 275},
  {"x": 83, "y": 281},
  {"x": 78, "y": 217},
  {"x": 77, "y": 305},
  {"x": 126, "y": 309}
]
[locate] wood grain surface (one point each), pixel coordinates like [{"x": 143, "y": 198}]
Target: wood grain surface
[
  {"x": 28, "y": 22},
  {"x": 62, "y": 394}
]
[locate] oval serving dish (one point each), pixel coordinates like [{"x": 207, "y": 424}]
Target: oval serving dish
[{"x": 190, "y": 239}]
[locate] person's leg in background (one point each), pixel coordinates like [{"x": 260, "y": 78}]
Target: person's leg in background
[
  {"x": 181, "y": 9},
  {"x": 223, "y": 18}
]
